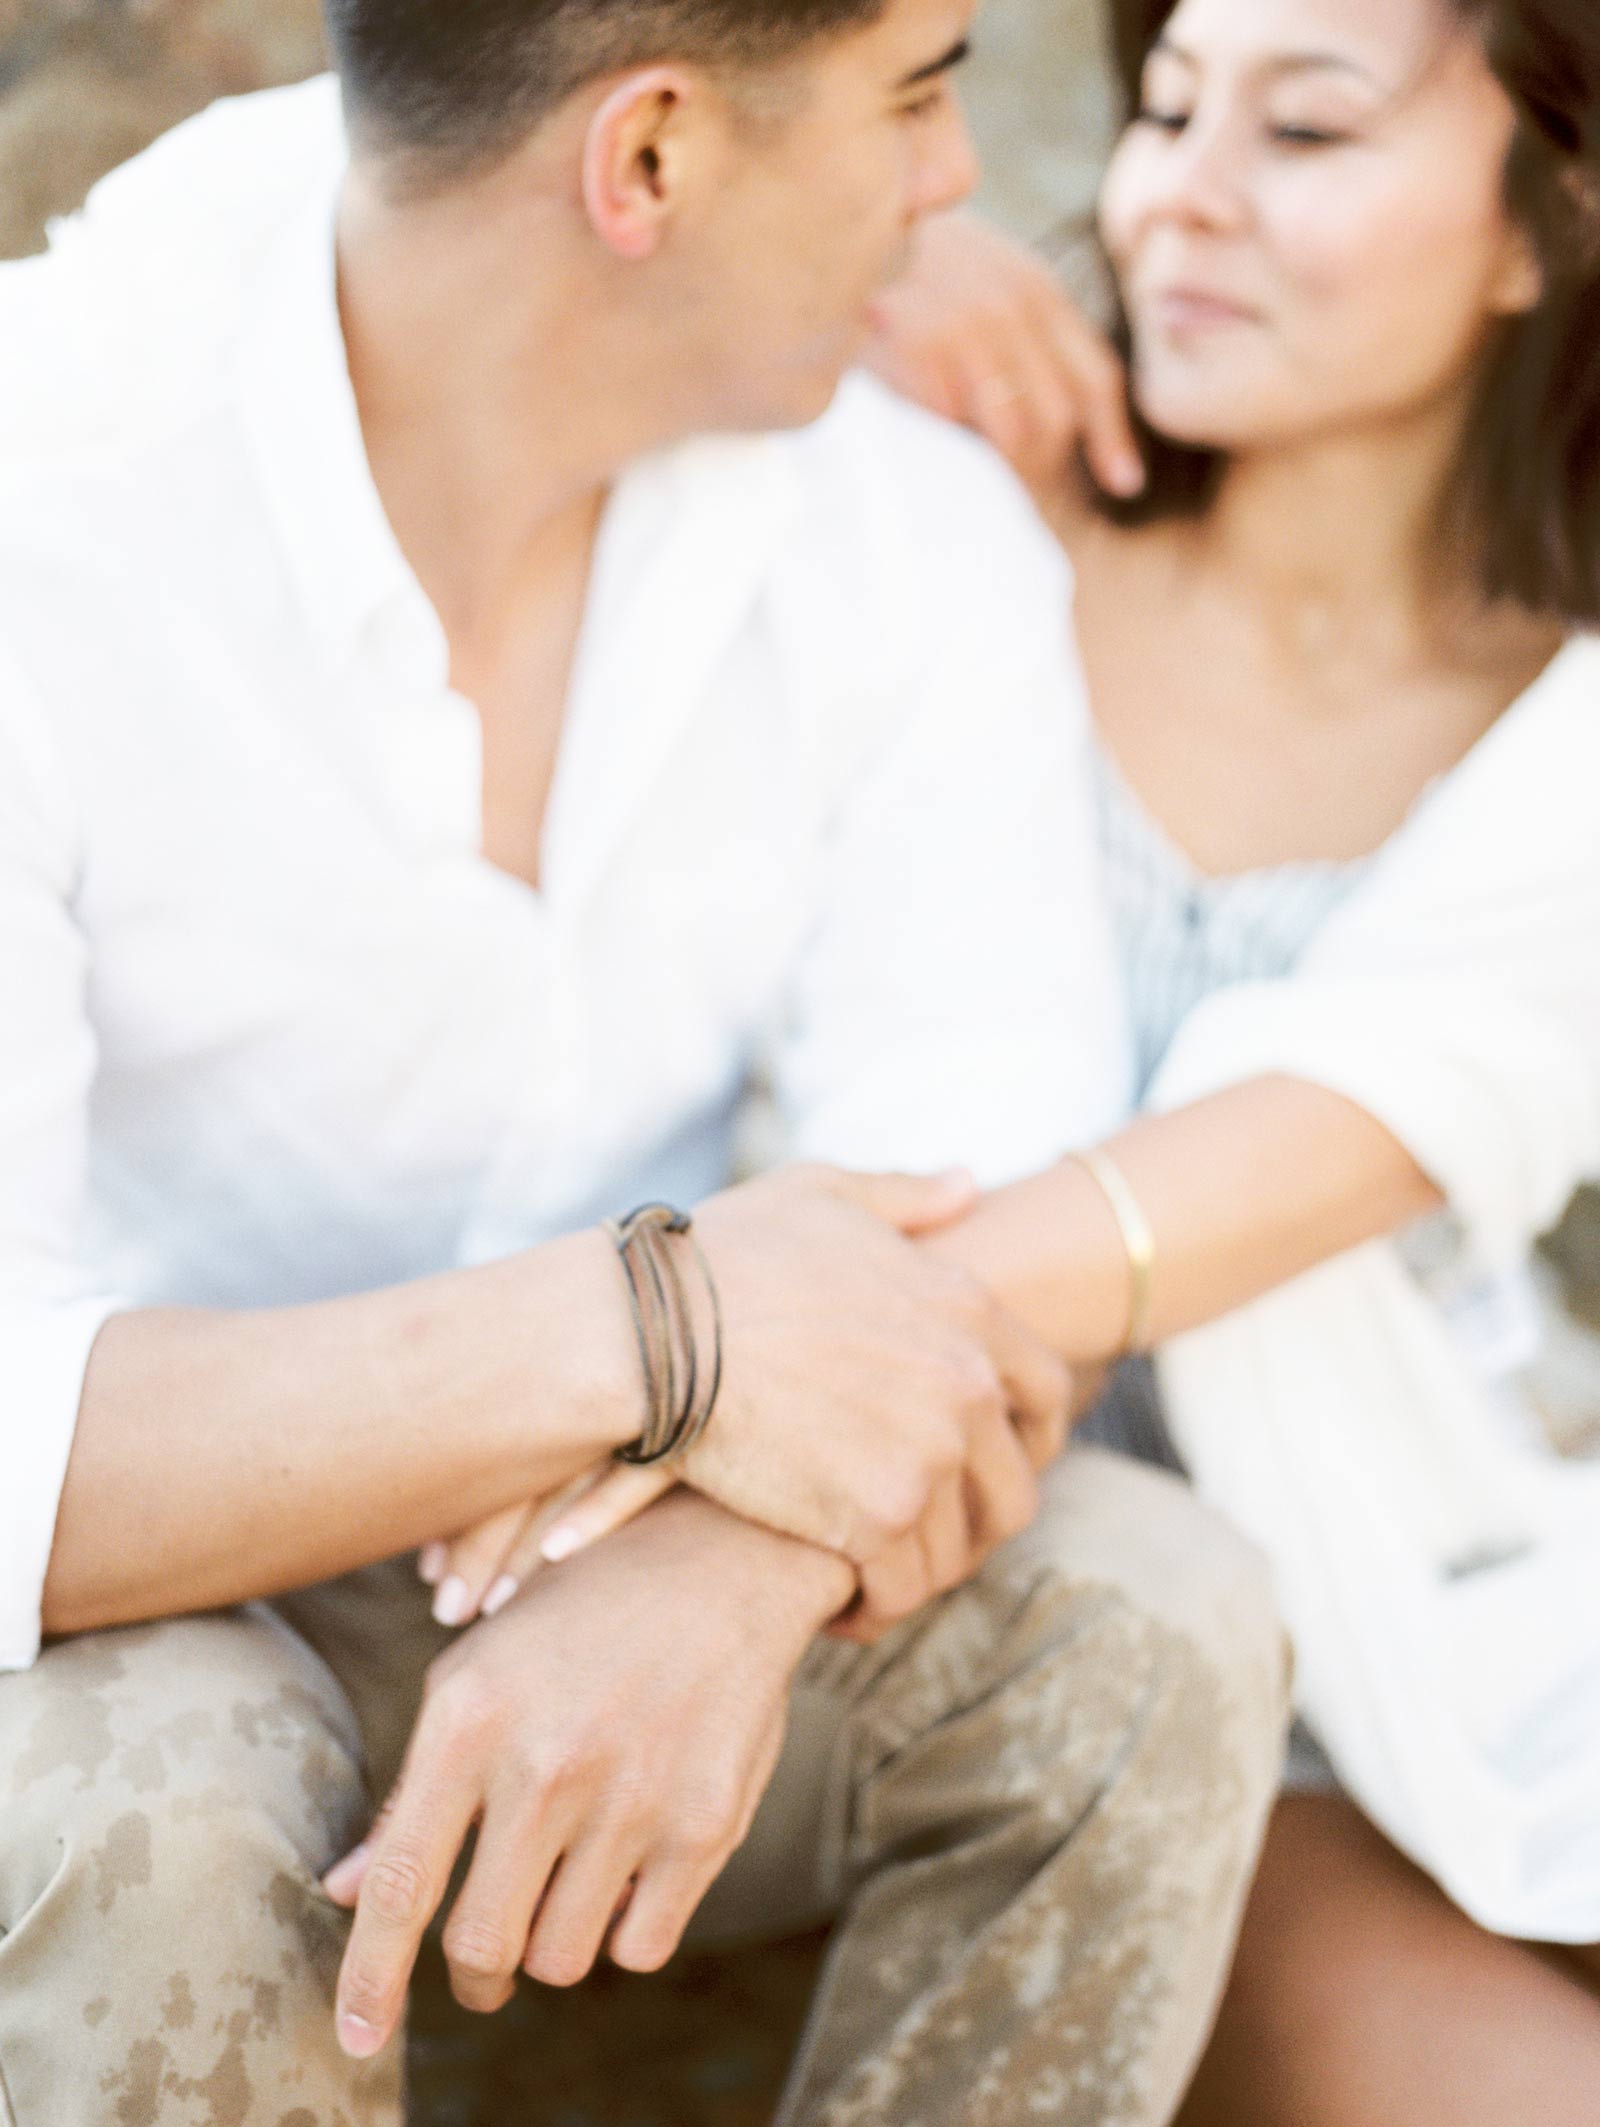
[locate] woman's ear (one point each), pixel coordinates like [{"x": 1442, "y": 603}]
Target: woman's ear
[
  {"x": 1520, "y": 284},
  {"x": 636, "y": 157}
]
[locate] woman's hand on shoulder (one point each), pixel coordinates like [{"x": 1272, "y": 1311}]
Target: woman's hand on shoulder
[{"x": 981, "y": 332}]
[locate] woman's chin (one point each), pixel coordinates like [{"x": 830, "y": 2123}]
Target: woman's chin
[
  {"x": 1200, "y": 426},
  {"x": 1221, "y": 412}
]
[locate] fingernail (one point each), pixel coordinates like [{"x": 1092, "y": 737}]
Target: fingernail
[
  {"x": 342, "y": 1871},
  {"x": 499, "y": 1595},
  {"x": 453, "y": 1601},
  {"x": 560, "y": 1543},
  {"x": 431, "y": 1562},
  {"x": 359, "y": 2039}
]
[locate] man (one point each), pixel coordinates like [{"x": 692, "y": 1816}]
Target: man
[{"x": 426, "y": 772}]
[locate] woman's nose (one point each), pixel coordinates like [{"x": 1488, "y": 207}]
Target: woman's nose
[{"x": 1202, "y": 178}]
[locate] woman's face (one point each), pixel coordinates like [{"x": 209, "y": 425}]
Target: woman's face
[{"x": 1307, "y": 218}]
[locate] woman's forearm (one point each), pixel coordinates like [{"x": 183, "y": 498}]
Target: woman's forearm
[
  {"x": 224, "y": 1456},
  {"x": 1242, "y": 1191}
]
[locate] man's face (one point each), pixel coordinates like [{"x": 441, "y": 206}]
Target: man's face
[{"x": 818, "y": 208}]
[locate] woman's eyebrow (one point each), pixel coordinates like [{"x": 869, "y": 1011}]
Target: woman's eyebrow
[
  {"x": 1311, "y": 62},
  {"x": 953, "y": 58}
]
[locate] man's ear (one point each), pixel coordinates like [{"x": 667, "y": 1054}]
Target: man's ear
[{"x": 636, "y": 156}]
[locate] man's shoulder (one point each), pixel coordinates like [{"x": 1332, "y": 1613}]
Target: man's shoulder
[
  {"x": 130, "y": 311},
  {"x": 895, "y": 496}
]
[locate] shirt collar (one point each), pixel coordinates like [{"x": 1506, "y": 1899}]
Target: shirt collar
[
  {"x": 299, "y": 410},
  {"x": 689, "y": 538}
]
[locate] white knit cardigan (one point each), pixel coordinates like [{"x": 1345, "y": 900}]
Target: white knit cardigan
[{"x": 1439, "y": 1573}]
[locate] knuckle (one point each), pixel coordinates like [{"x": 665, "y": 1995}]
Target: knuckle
[
  {"x": 478, "y": 1949},
  {"x": 538, "y": 1769},
  {"x": 363, "y": 1994},
  {"x": 398, "y": 1889},
  {"x": 973, "y": 1381},
  {"x": 707, "y": 1820},
  {"x": 558, "y": 1964},
  {"x": 464, "y": 1705},
  {"x": 901, "y": 1499},
  {"x": 647, "y": 1949}
]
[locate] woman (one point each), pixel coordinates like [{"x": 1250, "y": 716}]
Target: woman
[
  {"x": 1356, "y": 251},
  {"x": 1331, "y": 640}
]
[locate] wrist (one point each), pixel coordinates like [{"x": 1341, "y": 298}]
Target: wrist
[
  {"x": 576, "y": 1354},
  {"x": 769, "y": 1574}
]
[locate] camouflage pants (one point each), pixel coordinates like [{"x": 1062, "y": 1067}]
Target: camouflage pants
[{"x": 1034, "y": 1810}]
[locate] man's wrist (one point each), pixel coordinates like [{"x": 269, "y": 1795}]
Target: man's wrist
[
  {"x": 795, "y": 1582},
  {"x": 579, "y": 1310}
]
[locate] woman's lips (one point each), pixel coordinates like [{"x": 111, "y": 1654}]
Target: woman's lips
[{"x": 1183, "y": 311}]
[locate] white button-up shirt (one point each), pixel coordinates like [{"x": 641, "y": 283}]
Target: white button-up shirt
[{"x": 271, "y": 1026}]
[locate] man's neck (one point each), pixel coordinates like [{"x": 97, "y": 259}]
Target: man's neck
[{"x": 497, "y": 402}]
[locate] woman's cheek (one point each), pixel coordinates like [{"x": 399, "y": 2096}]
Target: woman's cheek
[{"x": 1125, "y": 193}]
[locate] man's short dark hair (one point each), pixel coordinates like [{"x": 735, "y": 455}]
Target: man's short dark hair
[{"x": 449, "y": 85}]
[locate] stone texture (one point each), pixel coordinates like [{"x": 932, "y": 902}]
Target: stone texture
[{"x": 84, "y": 83}]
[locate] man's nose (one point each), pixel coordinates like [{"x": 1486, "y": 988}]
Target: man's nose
[{"x": 948, "y": 171}]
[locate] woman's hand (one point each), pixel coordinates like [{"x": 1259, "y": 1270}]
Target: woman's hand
[
  {"x": 981, "y": 332},
  {"x": 476, "y": 1572}
]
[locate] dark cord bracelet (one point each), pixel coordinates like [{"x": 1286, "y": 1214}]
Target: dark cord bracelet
[{"x": 680, "y": 1390}]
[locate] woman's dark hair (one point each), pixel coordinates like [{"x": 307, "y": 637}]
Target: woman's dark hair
[
  {"x": 1527, "y": 492},
  {"x": 442, "y": 87}
]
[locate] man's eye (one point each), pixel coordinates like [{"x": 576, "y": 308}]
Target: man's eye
[
  {"x": 1164, "y": 121},
  {"x": 924, "y": 106}
]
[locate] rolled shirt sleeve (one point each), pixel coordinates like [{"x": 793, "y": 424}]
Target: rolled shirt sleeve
[{"x": 50, "y": 1308}]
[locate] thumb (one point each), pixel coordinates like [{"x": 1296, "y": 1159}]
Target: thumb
[{"x": 915, "y": 1203}]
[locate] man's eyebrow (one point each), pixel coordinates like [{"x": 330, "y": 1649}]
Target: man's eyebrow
[{"x": 953, "y": 58}]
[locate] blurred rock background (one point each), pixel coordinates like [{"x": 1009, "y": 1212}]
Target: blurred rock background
[{"x": 85, "y": 83}]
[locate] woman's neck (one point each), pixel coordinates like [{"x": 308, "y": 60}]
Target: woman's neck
[{"x": 1343, "y": 537}]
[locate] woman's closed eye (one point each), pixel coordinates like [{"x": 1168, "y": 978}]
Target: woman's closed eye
[
  {"x": 1175, "y": 122},
  {"x": 1300, "y": 135}
]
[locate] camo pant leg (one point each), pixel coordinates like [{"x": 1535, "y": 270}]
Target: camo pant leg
[
  {"x": 1036, "y": 1808},
  {"x": 169, "y": 1795}
]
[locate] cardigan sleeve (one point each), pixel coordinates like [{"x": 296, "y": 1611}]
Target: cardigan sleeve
[{"x": 1456, "y": 995}]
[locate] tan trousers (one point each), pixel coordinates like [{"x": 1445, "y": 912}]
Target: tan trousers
[{"x": 1034, "y": 1810}]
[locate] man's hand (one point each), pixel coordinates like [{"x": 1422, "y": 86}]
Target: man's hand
[
  {"x": 876, "y": 1401},
  {"x": 864, "y": 1377},
  {"x": 981, "y": 332},
  {"x": 610, "y": 1734}
]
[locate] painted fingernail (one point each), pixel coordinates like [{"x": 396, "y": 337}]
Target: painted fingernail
[
  {"x": 344, "y": 1872},
  {"x": 453, "y": 1601},
  {"x": 359, "y": 2039},
  {"x": 499, "y": 1595},
  {"x": 560, "y": 1543},
  {"x": 431, "y": 1562}
]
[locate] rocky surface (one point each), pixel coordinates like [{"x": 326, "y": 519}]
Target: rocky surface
[{"x": 84, "y": 83}]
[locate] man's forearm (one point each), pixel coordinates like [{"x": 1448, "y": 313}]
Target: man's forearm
[{"x": 224, "y": 1456}]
